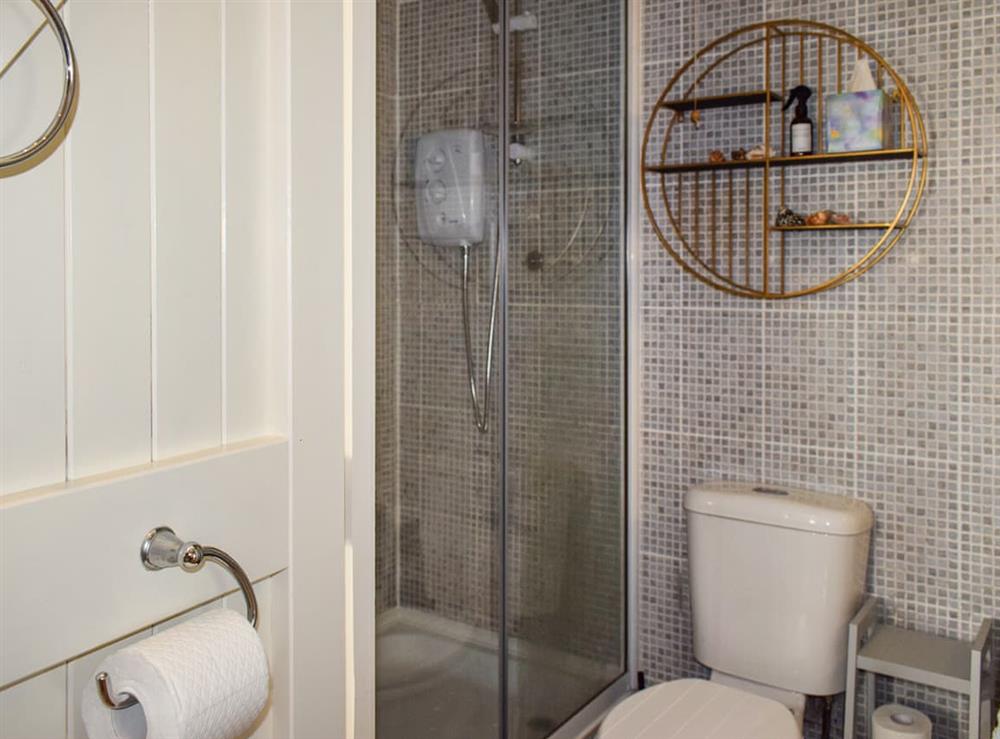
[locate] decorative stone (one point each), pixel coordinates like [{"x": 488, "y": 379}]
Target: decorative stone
[
  {"x": 715, "y": 156},
  {"x": 758, "y": 152},
  {"x": 787, "y": 217},
  {"x": 819, "y": 218},
  {"x": 738, "y": 155},
  {"x": 840, "y": 218}
]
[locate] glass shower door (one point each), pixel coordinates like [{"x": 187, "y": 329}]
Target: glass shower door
[
  {"x": 565, "y": 345},
  {"x": 500, "y": 572},
  {"x": 438, "y": 642}
]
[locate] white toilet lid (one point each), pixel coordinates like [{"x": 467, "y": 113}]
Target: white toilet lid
[{"x": 698, "y": 709}]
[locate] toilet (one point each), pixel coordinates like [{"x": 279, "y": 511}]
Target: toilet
[{"x": 776, "y": 574}]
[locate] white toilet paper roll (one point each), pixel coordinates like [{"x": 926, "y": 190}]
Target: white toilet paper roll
[
  {"x": 899, "y": 722},
  {"x": 206, "y": 678}
]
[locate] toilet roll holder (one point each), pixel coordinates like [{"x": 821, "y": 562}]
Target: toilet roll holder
[{"x": 162, "y": 548}]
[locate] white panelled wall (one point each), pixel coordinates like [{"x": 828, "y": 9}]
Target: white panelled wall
[
  {"x": 136, "y": 304},
  {"x": 137, "y": 288},
  {"x": 186, "y": 292}
]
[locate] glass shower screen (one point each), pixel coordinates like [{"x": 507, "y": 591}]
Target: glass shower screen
[{"x": 500, "y": 489}]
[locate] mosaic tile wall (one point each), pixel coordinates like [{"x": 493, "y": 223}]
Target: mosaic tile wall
[
  {"x": 445, "y": 515},
  {"x": 885, "y": 389},
  {"x": 386, "y": 336},
  {"x": 566, "y": 345},
  {"x": 439, "y": 487}
]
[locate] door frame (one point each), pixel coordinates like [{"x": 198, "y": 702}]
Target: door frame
[
  {"x": 360, "y": 226},
  {"x": 331, "y": 144},
  {"x": 633, "y": 233}
]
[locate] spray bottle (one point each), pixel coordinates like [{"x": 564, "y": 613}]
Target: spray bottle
[{"x": 802, "y": 125}]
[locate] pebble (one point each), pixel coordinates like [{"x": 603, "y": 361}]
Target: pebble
[{"x": 787, "y": 217}]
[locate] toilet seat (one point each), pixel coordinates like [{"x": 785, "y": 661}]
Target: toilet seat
[{"x": 698, "y": 709}]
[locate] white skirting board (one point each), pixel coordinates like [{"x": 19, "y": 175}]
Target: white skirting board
[{"x": 69, "y": 554}]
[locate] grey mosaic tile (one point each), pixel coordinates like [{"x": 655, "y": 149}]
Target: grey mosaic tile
[
  {"x": 980, "y": 194},
  {"x": 662, "y": 532},
  {"x": 883, "y": 389},
  {"x": 980, "y": 390},
  {"x": 386, "y": 454},
  {"x": 449, "y": 40},
  {"x": 662, "y": 378},
  {"x": 408, "y": 51},
  {"x": 665, "y": 23},
  {"x": 809, "y": 376},
  {"x": 915, "y": 548},
  {"x": 565, "y": 532},
  {"x": 980, "y": 543},
  {"x": 578, "y": 143},
  {"x": 665, "y": 608},
  {"x": 812, "y": 465},
  {"x": 908, "y": 383},
  {"x": 721, "y": 457},
  {"x": 721, "y": 365},
  {"x": 579, "y": 35}
]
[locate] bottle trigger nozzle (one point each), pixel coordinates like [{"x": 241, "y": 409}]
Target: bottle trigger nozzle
[{"x": 801, "y": 94}]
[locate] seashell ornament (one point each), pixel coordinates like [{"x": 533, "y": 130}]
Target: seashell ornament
[{"x": 758, "y": 152}]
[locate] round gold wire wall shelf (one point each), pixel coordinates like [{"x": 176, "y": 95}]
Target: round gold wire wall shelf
[{"x": 720, "y": 207}]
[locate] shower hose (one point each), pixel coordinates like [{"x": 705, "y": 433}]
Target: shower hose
[{"x": 480, "y": 409}]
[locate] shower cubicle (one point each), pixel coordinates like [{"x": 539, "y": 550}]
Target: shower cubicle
[{"x": 501, "y": 529}]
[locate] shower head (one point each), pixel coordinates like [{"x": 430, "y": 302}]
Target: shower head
[{"x": 492, "y": 10}]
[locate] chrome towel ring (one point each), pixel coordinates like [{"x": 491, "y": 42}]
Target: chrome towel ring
[
  {"x": 162, "y": 548},
  {"x": 14, "y": 163}
]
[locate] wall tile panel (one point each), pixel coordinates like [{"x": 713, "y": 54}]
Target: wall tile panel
[{"x": 883, "y": 389}]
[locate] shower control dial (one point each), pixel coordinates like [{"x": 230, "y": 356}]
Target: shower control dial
[
  {"x": 437, "y": 192},
  {"x": 450, "y": 187},
  {"x": 436, "y": 161}
]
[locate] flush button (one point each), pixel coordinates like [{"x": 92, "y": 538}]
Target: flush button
[{"x": 770, "y": 491}]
